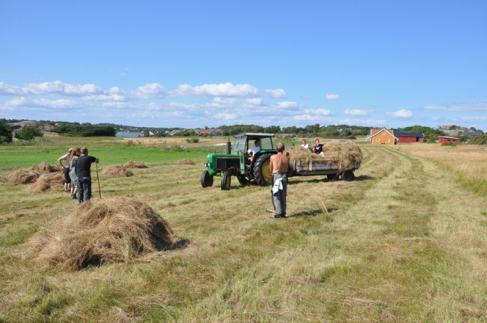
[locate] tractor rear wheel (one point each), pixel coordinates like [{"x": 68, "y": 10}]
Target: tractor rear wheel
[
  {"x": 226, "y": 181},
  {"x": 206, "y": 179},
  {"x": 348, "y": 175},
  {"x": 262, "y": 171}
]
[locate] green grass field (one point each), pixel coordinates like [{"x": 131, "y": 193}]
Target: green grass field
[{"x": 405, "y": 242}]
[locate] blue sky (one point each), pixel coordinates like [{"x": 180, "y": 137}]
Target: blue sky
[{"x": 197, "y": 63}]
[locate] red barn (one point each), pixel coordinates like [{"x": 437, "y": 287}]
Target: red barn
[
  {"x": 444, "y": 139},
  {"x": 406, "y": 137}
]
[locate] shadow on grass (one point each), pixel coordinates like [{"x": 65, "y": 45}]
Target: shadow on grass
[
  {"x": 180, "y": 244},
  {"x": 364, "y": 178},
  {"x": 311, "y": 212}
]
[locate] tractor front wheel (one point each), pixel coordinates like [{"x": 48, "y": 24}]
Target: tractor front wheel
[
  {"x": 242, "y": 180},
  {"x": 226, "y": 181},
  {"x": 262, "y": 171},
  {"x": 206, "y": 179}
]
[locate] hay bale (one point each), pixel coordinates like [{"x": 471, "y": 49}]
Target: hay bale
[
  {"x": 104, "y": 231},
  {"x": 22, "y": 176},
  {"x": 31, "y": 174},
  {"x": 186, "y": 162},
  {"x": 342, "y": 152},
  {"x": 47, "y": 182},
  {"x": 117, "y": 170},
  {"x": 45, "y": 167},
  {"x": 135, "y": 164}
]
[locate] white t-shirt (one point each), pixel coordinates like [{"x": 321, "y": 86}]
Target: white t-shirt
[
  {"x": 304, "y": 146},
  {"x": 255, "y": 149}
]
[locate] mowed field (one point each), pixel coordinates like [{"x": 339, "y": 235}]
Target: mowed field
[{"x": 406, "y": 241}]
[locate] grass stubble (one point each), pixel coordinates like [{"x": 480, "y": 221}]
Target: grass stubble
[{"x": 404, "y": 242}]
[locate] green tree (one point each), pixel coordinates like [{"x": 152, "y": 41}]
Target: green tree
[
  {"x": 28, "y": 133},
  {"x": 5, "y": 132}
]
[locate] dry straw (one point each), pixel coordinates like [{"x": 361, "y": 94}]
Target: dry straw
[
  {"x": 117, "y": 170},
  {"x": 135, "y": 164},
  {"x": 31, "y": 174},
  {"x": 103, "y": 231},
  {"x": 344, "y": 153}
]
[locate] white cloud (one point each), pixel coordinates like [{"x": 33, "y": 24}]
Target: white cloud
[
  {"x": 8, "y": 89},
  {"x": 402, "y": 113},
  {"x": 60, "y": 87},
  {"x": 474, "y": 118},
  {"x": 253, "y": 101},
  {"x": 42, "y": 102},
  {"x": 276, "y": 93},
  {"x": 332, "y": 96},
  {"x": 312, "y": 114},
  {"x": 216, "y": 89},
  {"x": 478, "y": 106},
  {"x": 363, "y": 122},
  {"x": 149, "y": 90},
  {"x": 226, "y": 116},
  {"x": 287, "y": 104},
  {"x": 357, "y": 112}
]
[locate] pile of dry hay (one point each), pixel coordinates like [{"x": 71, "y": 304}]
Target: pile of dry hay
[
  {"x": 135, "y": 164},
  {"x": 186, "y": 162},
  {"x": 30, "y": 175},
  {"x": 103, "y": 231},
  {"x": 46, "y": 182},
  {"x": 343, "y": 152},
  {"x": 117, "y": 170}
]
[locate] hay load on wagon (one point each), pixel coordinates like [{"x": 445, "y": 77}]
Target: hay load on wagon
[
  {"x": 337, "y": 155},
  {"x": 105, "y": 231},
  {"x": 31, "y": 174}
]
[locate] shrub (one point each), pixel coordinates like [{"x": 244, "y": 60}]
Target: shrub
[
  {"x": 28, "y": 133},
  {"x": 192, "y": 140},
  {"x": 448, "y": 144},
  {"x": 480, "y": 140},
  {"x": 5, "y": 132}
]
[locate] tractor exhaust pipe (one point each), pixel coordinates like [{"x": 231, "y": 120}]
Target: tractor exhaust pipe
[{"x": 229, "y": 147}]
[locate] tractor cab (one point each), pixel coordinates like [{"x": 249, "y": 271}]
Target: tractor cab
[{"x": 248, "y": 159}]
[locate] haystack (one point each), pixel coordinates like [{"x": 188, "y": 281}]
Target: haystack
[
  {"x": 342, "y": 152},
  {"x": 47, "y": 182},
  {"x": 22, "y": 176},
  {"x": 186, "y": 162},
  {"x": 135, "y": 164},
  {"x": 117, "y": 170},
  {"x": 104, "y": 231},
  {"x": 31, "y": 174}
]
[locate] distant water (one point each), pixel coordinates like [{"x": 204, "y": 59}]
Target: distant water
[{"x": 122, "y": 134}]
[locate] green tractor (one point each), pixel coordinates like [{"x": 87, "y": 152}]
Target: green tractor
[{"x": 248, "y": 160}]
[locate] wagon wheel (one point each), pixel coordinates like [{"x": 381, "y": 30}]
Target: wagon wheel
[
  {"x": 331, "y": 177},
  {"x": 226, "y": 181},
  {"x": 206, "y": 179},
  {"x": 348, "y": 175}
]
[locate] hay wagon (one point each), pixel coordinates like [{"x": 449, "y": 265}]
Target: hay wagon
[{"x": 253, "y": 166}]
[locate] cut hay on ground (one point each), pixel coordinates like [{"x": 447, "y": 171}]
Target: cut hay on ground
[
  {"x": 186, "y": 162},
  {"x": 47, "y": 182},
  {"x": 104, "y": 231},
  {"x": 117, "y": 170},
  {"x": 342, "y": 152},
  {"x": 135, "y": 164},
  {"x": 31, "y": 174}
]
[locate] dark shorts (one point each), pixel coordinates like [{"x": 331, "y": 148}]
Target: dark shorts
[{"x": 67, "y": 179}]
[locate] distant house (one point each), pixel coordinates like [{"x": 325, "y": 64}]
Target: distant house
[
  {"x": 383, "y": 136},
  {"x": 445, "y": 139},
  {"x": 406, "y": 137}
]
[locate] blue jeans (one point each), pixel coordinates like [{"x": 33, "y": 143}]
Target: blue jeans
[{"x": 84, "y": 193}]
